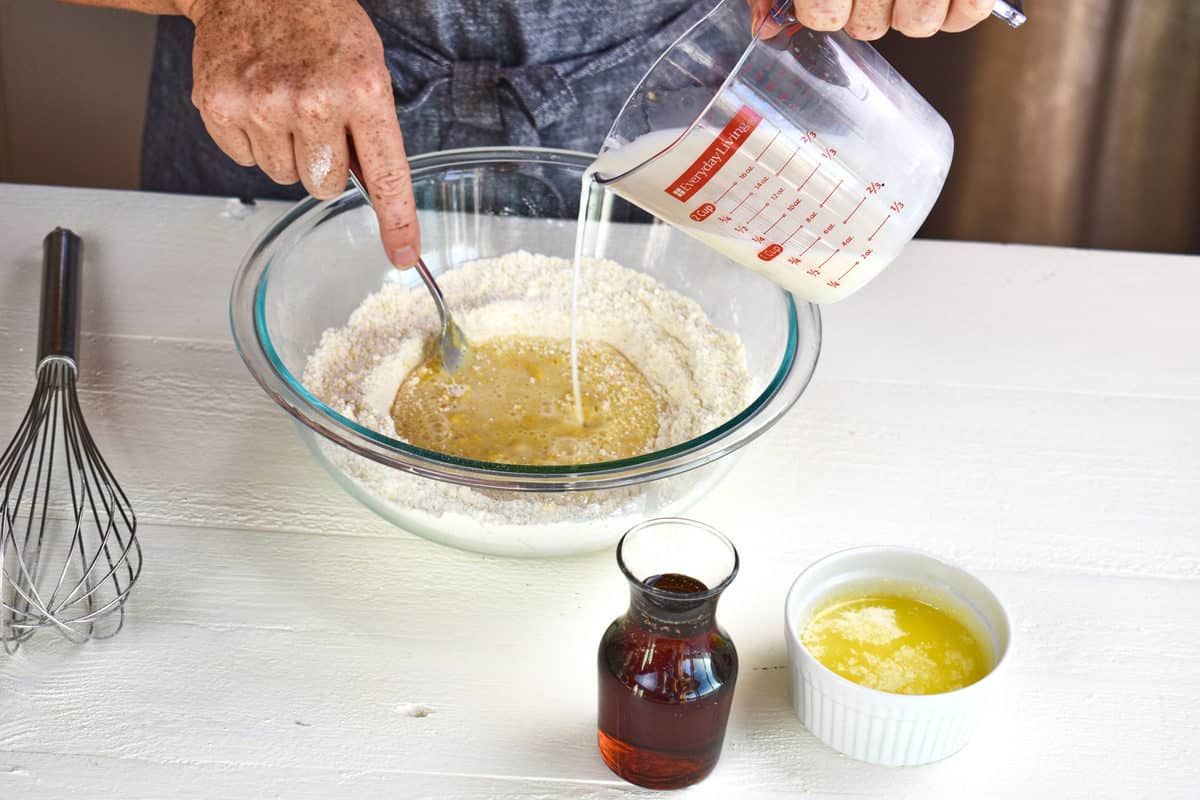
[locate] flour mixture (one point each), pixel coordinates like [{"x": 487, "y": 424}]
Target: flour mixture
[{"x": 666, "y": 374}]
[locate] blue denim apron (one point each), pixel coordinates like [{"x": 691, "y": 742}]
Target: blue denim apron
[{"x": 473, "y": 73}]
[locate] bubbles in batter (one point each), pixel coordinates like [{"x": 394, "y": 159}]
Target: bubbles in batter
[{"x": 512, "y": 403}]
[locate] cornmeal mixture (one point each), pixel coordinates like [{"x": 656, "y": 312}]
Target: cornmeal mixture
[
  {"x": 512, "y": 403},
  {"x": 656, "y": 372}
]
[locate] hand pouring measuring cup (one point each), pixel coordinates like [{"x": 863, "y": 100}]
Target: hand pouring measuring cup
[{"x": 804, "y": 155}]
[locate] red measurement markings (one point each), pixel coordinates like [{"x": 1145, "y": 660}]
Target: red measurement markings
[
  {"x": 793, "y": 233},
  {"x": 783, "y": 166},
  {"x": 831, "y": 255},
  {"x": 874, "y": 187},
  {"x": 842, "y": 277},
  {"x": 809, "y": 178},
  {"x": 763, "y": 152},
  {"x": 769, "y": 252},
  {"x": 739, "y": 205},
  {"x": 703, "y": 212},
  {"x": 810, "y": 247},
  {"x": 885, "y": 219},
  {"x": 856, "y": 208},
  {"x": 773, "y": 224},
  {"x": 829, "y": 153},
  {"x": 727, "y": 191},
  {"x": 720, "y": 152},
  {"x": 831, "y": 191},
  {"x": 766, "y": 205},
  {"x": 808, "y": 136}
]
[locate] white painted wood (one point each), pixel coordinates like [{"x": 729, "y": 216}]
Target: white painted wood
[{"x": 1033, "y": 413}]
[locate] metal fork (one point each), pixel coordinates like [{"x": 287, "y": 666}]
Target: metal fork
[{"x": 453, "y": 343}]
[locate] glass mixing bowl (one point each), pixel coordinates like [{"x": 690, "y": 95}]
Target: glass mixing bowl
[{"x": 317, "y": 263}]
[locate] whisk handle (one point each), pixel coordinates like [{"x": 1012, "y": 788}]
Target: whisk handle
[{"x": 58, "y": 331}]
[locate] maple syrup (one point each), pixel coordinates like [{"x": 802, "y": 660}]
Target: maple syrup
[{"x": 667, "y": 674}]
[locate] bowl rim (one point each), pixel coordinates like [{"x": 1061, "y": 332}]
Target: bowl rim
[{"x": 252, "y": 339}]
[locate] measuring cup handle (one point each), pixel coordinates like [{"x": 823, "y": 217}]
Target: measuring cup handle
[{"x": 1010, "y": 12}]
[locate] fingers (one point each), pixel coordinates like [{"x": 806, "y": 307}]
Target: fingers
[
  {"x": 870, "y": 19},
  {"x": 758, "y": 12},
  {"x": 319, "y": 112},
  {"x": 243, "y": 129},
  {"x": 220, "y": 113},
  {"x": 274, "y": 153},
  {"x": 823, "y": 15},
  {"x": 245, "y": 126},
  {"x": 323, "y": 160},
  {"x": 919, "y": 18},
  {"x": 232, "y": 140},
  {"x": 966, "y": 14},
  {"x": 379, "y": 147}
]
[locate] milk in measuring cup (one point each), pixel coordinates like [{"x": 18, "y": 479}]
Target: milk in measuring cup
[{"x": 796, "y": 207}]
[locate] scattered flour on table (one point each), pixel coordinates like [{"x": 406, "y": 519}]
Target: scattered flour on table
[
  {"x": 414, "y": 709},
  {"x": 697, "y": 370}
]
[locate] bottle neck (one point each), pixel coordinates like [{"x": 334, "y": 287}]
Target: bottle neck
[{"x": 672, "y": 614}]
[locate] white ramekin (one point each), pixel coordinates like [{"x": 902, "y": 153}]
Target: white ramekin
[{"x": 881, "y": 727}]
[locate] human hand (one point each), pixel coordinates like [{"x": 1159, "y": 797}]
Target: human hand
[
  {"x": 870, "y": 19},
  {"x": 285, "y": 84}
]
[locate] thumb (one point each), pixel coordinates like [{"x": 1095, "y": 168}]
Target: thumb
[{"x": 761, "y": 21}]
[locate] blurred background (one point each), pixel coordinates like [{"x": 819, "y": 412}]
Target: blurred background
[{"x": 1081, "y": 128}]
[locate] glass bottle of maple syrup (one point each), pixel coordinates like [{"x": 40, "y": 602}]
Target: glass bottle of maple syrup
[{"x": 667, "y": 670}]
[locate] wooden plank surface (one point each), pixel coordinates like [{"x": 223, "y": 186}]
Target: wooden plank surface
[{"x": 1033, "y": 413}]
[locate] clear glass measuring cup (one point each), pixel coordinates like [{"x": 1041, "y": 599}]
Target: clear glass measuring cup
[{"x": 800, "y": 154}]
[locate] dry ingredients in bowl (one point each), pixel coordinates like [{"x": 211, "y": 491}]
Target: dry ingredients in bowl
[{"x": 695, "y": 370}]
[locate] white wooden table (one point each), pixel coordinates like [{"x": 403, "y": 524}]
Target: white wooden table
[{"x": 1033, "y": 413}]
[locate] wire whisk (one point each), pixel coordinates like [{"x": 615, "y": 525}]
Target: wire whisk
[{"x": 68, "y": 537}]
